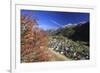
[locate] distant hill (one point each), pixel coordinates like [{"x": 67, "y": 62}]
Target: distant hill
[{"x": 79, "y": 32}]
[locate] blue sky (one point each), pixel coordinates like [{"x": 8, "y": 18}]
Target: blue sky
[{"x": 52, "y": 19}]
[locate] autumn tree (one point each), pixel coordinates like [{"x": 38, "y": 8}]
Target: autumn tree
[{"x": 33, "y": 40}]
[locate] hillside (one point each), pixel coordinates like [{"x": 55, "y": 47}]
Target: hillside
[
  {"x": 79, "y": 32},
  {"x": 72, "y": 41}
]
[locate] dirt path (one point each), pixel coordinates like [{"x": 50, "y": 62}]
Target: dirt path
[{"x": 57, "y": 57}]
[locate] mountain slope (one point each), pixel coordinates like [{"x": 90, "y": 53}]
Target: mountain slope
[{"x": 78, "y": 32}]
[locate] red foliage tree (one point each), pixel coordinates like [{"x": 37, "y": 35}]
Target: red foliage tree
[{"x": 33, "y": 41}]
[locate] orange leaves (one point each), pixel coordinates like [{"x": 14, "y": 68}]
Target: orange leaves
[{"x": 33, "y": 40}]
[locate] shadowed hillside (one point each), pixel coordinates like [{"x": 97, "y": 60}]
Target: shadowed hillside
[{"x": 81, "y": 33}]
